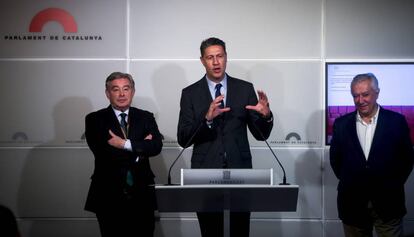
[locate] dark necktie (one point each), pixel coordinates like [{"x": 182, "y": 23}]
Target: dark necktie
[
  {"x": 124, "y": 127},
  {"x": 220, "y": 121},
  {"x": 218, "y": 87},
  {"x": 124, "y": 124}
]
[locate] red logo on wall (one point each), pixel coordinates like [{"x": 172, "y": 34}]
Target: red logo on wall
[
  {"x": 64, "y": 18},
  {"x": 59, "y": 15}
]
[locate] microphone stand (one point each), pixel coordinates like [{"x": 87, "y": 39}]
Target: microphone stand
[
  {"x": 181, "y": 152},
  {"x": 274, "y": 155},
  {"x": 280, "y": 164}
]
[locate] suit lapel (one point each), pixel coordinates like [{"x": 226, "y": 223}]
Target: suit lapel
[
  {"x": 230, "y": 90},
  {"x": 205, "y": 91},
  {"x": 113, "y": 122},
  {"x": 354, "y": 135},
  {"x": 204, "y": 98},
  {"x": 379, "y": 130},
  {"x": 133, "y": 122}
]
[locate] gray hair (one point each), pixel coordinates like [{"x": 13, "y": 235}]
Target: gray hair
[
  {"x": 119, "y": 75},
  {"x": 366, "y": 77}
]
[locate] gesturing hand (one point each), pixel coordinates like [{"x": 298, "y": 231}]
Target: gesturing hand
[
  {"x": 262, "y": 105},
  {"x": 214, "y": 110}
]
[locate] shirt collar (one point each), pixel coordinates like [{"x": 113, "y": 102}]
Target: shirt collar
[
  {"x": 118, "y": 112},
  {"x": 374, "y": 119},
  {"x": 212, "y": 84}
]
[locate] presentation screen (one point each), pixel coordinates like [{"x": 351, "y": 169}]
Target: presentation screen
[{"x": 396, "y": 83}]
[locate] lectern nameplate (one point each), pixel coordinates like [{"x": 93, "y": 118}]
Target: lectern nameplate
[{"x": 226, "y": 176}]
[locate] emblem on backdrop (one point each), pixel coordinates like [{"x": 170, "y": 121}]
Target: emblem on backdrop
[{"x": 58, "y": 15}]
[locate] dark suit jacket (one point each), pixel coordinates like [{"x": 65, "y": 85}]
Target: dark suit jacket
[
  {"x": 226, "y": 142},
  {"x": 381, "y": 178},
  {"x": 111, "y": 164}
]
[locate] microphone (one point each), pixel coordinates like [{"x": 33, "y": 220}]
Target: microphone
[
  {"x": 280, "y": 164},
  {"x": 181, "y": 152},
  {"x": 274, "y": 155}
]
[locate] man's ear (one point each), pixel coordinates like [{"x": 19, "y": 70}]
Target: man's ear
[{"x": 202, "y": 61}]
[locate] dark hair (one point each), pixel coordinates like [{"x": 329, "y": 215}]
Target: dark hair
[
  {"x": 119, "y": 75},
  {"x": 366, "y": 77},
  {"x": 210, "y": 42}
]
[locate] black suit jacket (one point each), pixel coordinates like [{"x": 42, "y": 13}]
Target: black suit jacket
[
  {"x": 226, "y": 141},
  {"x": 108, "y": 183},
  {"x": 381, "y": 178}
]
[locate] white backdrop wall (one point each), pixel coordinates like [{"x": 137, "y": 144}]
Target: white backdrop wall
[{"x": 51, "y": 81}]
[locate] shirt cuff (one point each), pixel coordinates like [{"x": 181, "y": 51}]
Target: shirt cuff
[
  {"x": 209, "y": 123},
  {"x": 127, "y": 145},
  {"x": 269, "y": 120}
]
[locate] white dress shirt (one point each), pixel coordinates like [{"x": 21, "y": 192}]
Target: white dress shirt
[
  {"x": 223, "y": 89},
  {"x": 127, "y": 145},
  {"x": 366, "y": 132}
]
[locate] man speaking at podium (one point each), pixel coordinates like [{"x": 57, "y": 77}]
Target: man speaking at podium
[{"x": 214, "y": 115}]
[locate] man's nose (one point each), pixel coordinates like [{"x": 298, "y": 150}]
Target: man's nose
[{"x": 215, "y": 60}]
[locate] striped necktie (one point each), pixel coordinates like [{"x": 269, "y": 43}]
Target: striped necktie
[
  {"x": 218, "y": 87},
  {"x": 124, "y": 127}
]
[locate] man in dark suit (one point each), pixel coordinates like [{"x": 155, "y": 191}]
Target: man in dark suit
[
  {"x": 214, "y": 116},
  {"x": 372, "y": 156},
  {"x": 122, "y": 138}
]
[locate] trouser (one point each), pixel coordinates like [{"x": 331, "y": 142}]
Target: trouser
[
  {"x": 388, "y": 228},
  {"x": 114, "y": 226}
]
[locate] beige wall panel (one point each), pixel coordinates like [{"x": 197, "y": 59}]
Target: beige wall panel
[
  {"x": 369, "y": 29},
  {"x": 251, "y": 29},
  {"x": 45, "y": 183},
  {"x": 45, "y": 102}
]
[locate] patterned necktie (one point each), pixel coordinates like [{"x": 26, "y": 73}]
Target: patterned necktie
[
  {"x": 218, "y": 87},
  {"x": 124, "y": 124},
  {"x": 129, "y": 178},
  {"x": 124, "y": 127}
]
